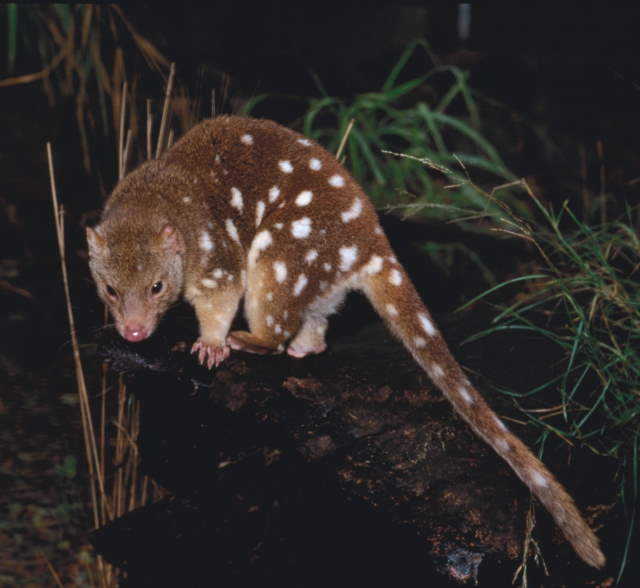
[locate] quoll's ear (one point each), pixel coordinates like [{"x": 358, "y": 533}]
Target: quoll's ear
[
  {"x": 96, "y": 241},
  {"x": 170, "y": 239}
]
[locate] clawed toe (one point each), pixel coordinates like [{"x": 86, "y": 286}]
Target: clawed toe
[{"x": 210, "y": 355}]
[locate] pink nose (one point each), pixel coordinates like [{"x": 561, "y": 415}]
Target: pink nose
[{"x": 135, "y": 332}]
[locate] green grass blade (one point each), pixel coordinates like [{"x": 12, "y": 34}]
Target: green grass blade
[
  {"x": 12, "y": 35},
  {"x": 500, "y": 286}
]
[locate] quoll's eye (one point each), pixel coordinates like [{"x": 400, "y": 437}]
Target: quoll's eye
[
  {"x": 111, "y": 291},
  {"x": 156, "y": 288}
]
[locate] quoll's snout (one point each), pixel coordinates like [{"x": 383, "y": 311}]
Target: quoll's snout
[{"x": 135, "y": 332}]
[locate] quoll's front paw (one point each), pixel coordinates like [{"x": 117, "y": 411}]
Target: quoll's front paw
[{"x": 210, "y": 355}]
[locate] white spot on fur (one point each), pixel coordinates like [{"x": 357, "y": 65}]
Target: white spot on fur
[
  {"x": 500, "y": 424},
  {"x": 392, "y": 310},
  {"x": 304, "y": 198},
  {"x": 348, "y": 256},
  {"x": 218, "y": 273},
  {"x": 247, "y": 139},
  {"x": 260, "y": 206},
  {"x": 278, "y": 226},
  {"x": 326, "y": 267},
  {"x": 377, "y": 231},
  {"x": 269, "y": 296},
  {"x": 337, "y": 181},
  {"x": 315, "y": 164},
  {"x": 217, "y": 158},
  {"x": 502, "y": 444},
  {"x": 186, "y": 199},
  {"x": 231, "y": 229},
  {"x": 466, "y": 396},
  {"x": 437, "y": 370},
  {"x": 205, "y": 242},
  {"x": 301, "y": 228},
  {"x": 353, "y": 212},
  {"x": 538, "y": 479},
  {"x": 419, "y": 342},
  {"x": 280, "y": 267},
  {"x": 274, "y": 192},
  {"x": 269, "y": 320},
  {"x": 426, "y": 324},
  {"x": 311, "y": 256},
  {"x": 301, "y": 282},
  {"x": 304, "y": 142},
  {"x": 277, "y": 329},
  {"x": 395, "y": 277},
  {"x": 260, "y": 242},
  {"x": 236, "y": 199},
  {"x": 374, "y": 265},
  {"x": 285, "y": 166},
  {"x": 207, "y": 283}
]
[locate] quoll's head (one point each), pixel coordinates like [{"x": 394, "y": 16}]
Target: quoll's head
[{"x": 139, "y": 275}]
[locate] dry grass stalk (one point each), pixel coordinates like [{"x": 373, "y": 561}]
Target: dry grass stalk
[
  {"x": 165, "y": 110},
  {"x": 54, "y": 574},
  {"x": 121, "y": 133},
  {"x": 87, "y": 422},
  {"x": 90, "y": 445},
  {"x": 345, "y": 137},
  {"x": 149, "y": 130},
  {"x": 117, "y": 462}
]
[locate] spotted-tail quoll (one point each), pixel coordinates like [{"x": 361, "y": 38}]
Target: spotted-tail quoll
[{"x": 245, "y": 208}]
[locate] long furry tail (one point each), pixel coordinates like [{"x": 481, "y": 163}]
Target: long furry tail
[{"x": 396, "y": 300}]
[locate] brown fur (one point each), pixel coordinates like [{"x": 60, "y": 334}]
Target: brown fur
[{"x": 201, "y": 221}]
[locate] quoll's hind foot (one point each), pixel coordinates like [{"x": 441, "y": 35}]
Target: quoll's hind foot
[
  {"x": 245, "y": 341},
  {"x": 298, "y": 354},
  {"x": 299, "y": 351},
  {"x": 310, "y": 338},
  {"x": 210, "y": 355}
]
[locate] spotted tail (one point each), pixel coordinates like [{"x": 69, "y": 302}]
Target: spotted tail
[{"x": 396, "y": 300}]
